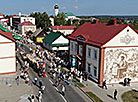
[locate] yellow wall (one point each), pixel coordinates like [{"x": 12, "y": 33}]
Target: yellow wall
[{"x": 39, "y": 39}]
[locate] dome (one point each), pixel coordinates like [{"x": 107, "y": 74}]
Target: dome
[{"x": 56, "y": 6}]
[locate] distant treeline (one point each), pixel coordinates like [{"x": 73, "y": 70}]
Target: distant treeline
[{"x": 108, "y": 16}]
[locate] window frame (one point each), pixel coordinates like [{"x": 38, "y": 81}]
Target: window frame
[{"x": 89, "y": 52}]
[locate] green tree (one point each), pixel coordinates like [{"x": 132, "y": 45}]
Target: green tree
[
  {"x": 42, "y": 20},
  {"x": 59, "y": 19},
  {"x": 68, "y": 23}
]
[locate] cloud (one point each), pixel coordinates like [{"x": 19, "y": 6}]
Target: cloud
[
  {"x": 76, "y": 0},
  {"x": 63, "y": 7},
  {"x": 76, "y": 7}
]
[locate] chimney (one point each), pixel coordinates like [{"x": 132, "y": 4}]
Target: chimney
[
  {"x": 115, "y": 21},
  {"x": 97, "y": 21}
]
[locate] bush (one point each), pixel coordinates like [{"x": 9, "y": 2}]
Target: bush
[{"x": 93, "y": 96}]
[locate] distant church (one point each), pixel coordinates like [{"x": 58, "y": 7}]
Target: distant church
[
  {"x": 56, "y": 9},
  {"x": 68, "y": 15}
]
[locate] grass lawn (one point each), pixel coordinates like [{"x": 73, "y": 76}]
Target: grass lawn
[
  {"x": 93, "y": 96},
  {"x": 130, "y": 96},
  {"x": 80, "y": 84}
]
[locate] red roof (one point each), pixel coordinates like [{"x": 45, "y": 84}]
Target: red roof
[
  {"x": 14, "y": 16},
  {"x": 98, "y": 34},
  {"x": 7, "y": 35},
  {"x": 63, "y": 27},
  {"x": 27, "y": 23},
  {"x": 1, "y": 14}
]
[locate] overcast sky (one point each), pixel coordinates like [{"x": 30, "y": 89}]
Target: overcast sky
[{"x": 78, "y": 7}]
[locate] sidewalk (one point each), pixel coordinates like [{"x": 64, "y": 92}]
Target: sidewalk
[
  {"x": 11, "y": 91},
  {"x": 107, "y": 95}
]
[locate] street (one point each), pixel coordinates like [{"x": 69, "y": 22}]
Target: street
[{"x": 52, "y": 93}]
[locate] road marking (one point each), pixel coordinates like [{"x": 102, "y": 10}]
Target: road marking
[
  {"x": 58, "y": 90},
  {"x": 51, "y": 81},
  {"x": 63, "y": 98}
]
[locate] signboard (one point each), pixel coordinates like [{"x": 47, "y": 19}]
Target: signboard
[
  {"x": 73, "y": 62},
  {"x": 81, "y": 38}
]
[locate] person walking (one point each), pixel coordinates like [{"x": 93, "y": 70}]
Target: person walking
[
  {"x": 81, "y": 77},
  {"x": 35, "y": 81},
  {"x": 40, "y": 83},
  {"x": 32, "y": 98},
  {"x": 104, "y": 85},
  {"x": 63, "y": 90},
  {"x": 115, "y": 94},
  {"x": 39, "y": 96},
  {"x": 42, "y": 88}
]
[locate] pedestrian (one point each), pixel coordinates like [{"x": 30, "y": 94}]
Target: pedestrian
[
  {"x": 40, "y": 84},
  {"x": 42, "y": 88},
  {"x": 128, "y": 83},
  {"x": 32, "y": 98},
  {"x": 56, "y": 83},
  {"x": 104, "y": 85},
  {"x": 81, "y": 79},
  {"x": 35, "y": 80},
  {"x": 22, "y": 75},
  {"x": 39, "y": 96},
  {"x": 125, "y": 81},
  {"x": 17, "y": 78},
  {"x": 27, "y": 80},
  {"x": 115, "y": 94},
  {"x": 63, "y": 90}
]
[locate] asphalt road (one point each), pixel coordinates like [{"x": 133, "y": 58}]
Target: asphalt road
[{"x": 51, "y": 93}]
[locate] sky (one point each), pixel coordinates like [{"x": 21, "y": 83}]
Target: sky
[{"x": 78, "y": 7}]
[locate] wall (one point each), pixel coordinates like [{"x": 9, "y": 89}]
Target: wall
[
  {"x": 61, "y": 40},
  {"x": 26, "y": 28},
  {"x": 7, "y": 57},
  {"x": 92, "y": 61},
  {"x": 120, "y": 63},
  {"x": 7, "y": 65},
  {"x": 7, "y": 50},
  {"x": 3, "y": 39},
  {"x": 31, "y": 19},
  {"x": 72, "y": 51},
  {"x": 127, "y": 37}
]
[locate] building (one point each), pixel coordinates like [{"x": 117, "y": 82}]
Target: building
[
  {"x": 70, "y": 15},
  {"x": 25, "y": 27},
  {"x": 66, "y": 30},
  {"x": 3, "y": 20},
  {"x": 106, "y": 52},
  {"x": 51, "y": 18},
  {"x": 7, "y": 53},
  {"x": 56, "y": 42},
  {"x": 39, "y": 35},
  {"x": 14, "y": 20}
]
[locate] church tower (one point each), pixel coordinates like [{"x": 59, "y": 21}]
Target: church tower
[{"x": 56, "y": 9}]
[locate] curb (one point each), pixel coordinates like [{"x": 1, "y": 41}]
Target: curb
[{"x": 86, "y": 94}]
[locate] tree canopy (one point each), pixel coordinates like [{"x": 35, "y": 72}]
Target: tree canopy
[
  {"x": 59, "y": 19},
  {"x": 42, "y": 20}
]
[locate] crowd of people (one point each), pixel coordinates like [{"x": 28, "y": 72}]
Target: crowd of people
[{"x": 54, "y": 66}]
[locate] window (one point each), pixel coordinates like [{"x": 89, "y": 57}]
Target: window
[
  {"x": 76, "y": 46},
  {"x": 71, "y": 46},
  {"x": 95, "y": 71},
  {"x": 89, "y": 52},
  {"x": 95, "y": 54},
  {"x": 89, "y": 68},
  {"x": 80, "y": 50}
]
